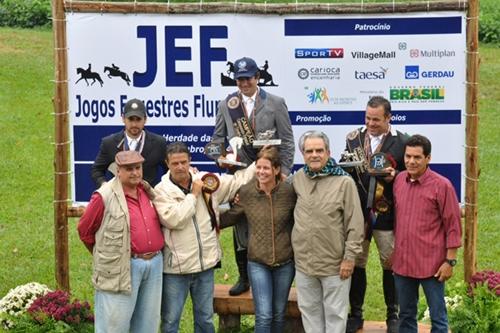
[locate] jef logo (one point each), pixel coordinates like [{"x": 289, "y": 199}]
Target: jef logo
[
  {"x": 413, "y": 72},
  {"x": 417, "y": 94},
  {"x": 371, "y": 75},
  {"x": 319, "y": 73},
  {"x": 318, "y": 95},
  {"x": 319, "y": 53}
]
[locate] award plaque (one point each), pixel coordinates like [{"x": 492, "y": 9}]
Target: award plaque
[
  {"x": 379, "y": 162},
  {"x": 232, "y": 159},
  {"x": 265, "y": 139},
  {"x": 210, "y": 183}
]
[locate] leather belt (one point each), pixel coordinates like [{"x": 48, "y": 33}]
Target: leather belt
[{"x": 144, "y": 256}]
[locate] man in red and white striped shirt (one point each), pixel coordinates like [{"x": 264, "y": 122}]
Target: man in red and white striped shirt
[{"x": 427, "y": 236}]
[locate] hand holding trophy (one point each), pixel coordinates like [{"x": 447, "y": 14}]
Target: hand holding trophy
[{"x": 217, "y": 152}]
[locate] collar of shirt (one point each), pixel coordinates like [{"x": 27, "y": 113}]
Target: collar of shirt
[
  {"x": 132, "y": 143},
  {"x": 421, "y": 179},
  {"x": 184, "y": 190},
  {"x": 249, "y": 102}
]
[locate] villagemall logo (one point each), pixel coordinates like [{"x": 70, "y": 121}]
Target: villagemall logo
[
  {"x": 373, "y": 55},
  {"x": 417, "y": 94},
  {"x": 416, "y": 53}
]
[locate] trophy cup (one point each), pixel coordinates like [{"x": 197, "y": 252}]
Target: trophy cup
[
  {"x": 265, "y": 139},
  {"x": 349, "y": 161},
  {"x": 217, "y": 152},
  {"x": 376, "y": 168}
]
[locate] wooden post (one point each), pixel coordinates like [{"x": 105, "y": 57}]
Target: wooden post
[
  {"x": 471, "y": 141},
  {"x": 60, "y": 146}
]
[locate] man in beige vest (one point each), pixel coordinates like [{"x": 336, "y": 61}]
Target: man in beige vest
[{"x": 121, "y": 229}]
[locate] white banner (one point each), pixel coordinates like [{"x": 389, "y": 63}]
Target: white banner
[{"x": 326, "y": 67}]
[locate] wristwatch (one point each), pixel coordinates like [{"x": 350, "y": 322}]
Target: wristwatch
[{"x": 451, "y": 262}]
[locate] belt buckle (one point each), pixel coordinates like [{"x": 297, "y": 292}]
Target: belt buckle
[{"x": 145, "y": 256}]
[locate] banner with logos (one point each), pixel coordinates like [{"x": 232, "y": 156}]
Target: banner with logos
[{"x": 326, "y": 67}]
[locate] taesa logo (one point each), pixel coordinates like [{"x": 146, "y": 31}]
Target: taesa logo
[
  {"x": 318, "y": 95},
  {"x": 412, "y": 72},
  {"x": 402, "y": 46}
]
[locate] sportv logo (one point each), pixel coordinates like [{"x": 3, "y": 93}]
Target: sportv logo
[
  {"x": 319, "y": 53},
  {"x": 413, "y": 72}
]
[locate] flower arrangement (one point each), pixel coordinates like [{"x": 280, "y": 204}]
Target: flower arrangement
[
  {"x": 18, "y": 300},
  {"x": 57, "y": 305},
  {"x": 34, "y": 308},
  {"x": 488, "y": 278},
  {"x": 478, "y": 308}
]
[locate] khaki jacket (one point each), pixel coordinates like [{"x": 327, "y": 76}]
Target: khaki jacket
[
  {"x": 111, "y": 254},
  {"x": 328, "y": 223},
  {"x": 192, "y": 245}
]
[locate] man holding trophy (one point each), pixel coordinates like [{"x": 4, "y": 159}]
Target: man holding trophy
[
  {"x": 377, "y": 151},
  {"x": 247, "y": 120}
]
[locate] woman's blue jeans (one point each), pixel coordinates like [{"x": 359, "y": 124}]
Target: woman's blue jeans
[{"x": 270, "y": 288}]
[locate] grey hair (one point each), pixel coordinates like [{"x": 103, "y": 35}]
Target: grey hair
[{"x": 313, "y": 134}]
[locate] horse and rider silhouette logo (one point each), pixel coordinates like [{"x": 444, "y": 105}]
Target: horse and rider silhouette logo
[
  {"x": 266, "y": 79},
  {"x": 110, "y": 71}
]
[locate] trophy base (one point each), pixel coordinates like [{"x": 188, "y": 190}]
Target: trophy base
[
  {"x": 262, "y": 143},
  {"x": 231, "y": 162},
  {"x": 351, "y": 164},
  {"x": 376, "y": 173}
]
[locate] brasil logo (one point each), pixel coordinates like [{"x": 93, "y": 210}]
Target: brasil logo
[{"x": 417, "y": 94}]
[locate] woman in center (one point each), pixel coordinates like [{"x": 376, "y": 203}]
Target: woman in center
[{"x": 268, "y": 205}]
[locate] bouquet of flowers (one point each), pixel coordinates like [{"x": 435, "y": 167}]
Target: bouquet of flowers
[
  {"x": 479, "y": 308},
  {"x": 58, "y": 306},
  {"x": 18, "y": 300}
]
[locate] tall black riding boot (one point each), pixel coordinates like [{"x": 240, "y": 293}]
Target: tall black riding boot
[
  {"x": 390, "y": 301},
  {"x": 356, "y": 299},
  {"x": 241, "y": 261}
]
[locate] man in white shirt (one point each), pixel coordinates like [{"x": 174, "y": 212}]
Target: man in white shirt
[
  {"x": 377, "y": 136},
  {"x": 251, "y": 113}
]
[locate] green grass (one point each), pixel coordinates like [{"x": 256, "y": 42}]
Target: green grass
[{"x": 26, "y": 177}]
